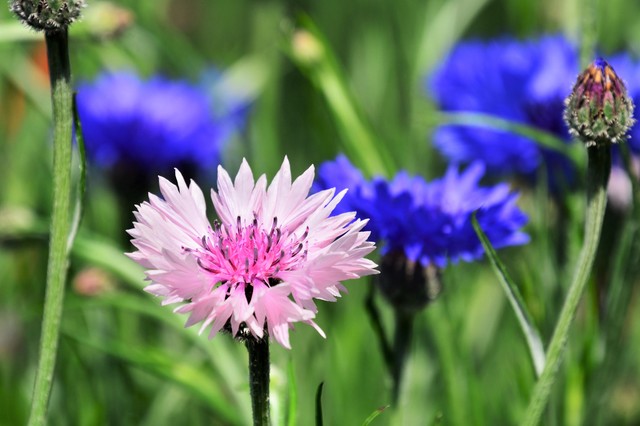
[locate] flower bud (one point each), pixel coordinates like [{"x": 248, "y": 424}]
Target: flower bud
[
  {"x": 307, "y": 48},
  {"x": 408, "y": 286},
  {"x": 93, "y": 282},
  {"x": 47, "y": 15},
  {"x": 598, "y": 110}
]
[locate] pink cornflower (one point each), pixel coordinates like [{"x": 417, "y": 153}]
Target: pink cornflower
[{"x": 272, "y": 252}]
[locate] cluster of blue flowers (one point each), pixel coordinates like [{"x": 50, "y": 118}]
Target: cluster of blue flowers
[
  {"x": 430, "y": 222},
  {"x": 522, "y": 81},
  {"x": 153, "y": 125}
]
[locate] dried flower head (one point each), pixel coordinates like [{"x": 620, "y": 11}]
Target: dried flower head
[
  {"x": 47, "y": 15},
  {"x": 599, "y": 110},
  {"x": 272, "y": 252}
]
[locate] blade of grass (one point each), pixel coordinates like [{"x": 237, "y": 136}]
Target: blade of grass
[
  {"x": 531, "y": 334},
  {"x": 313, "y": 54},
  {"x": 178, "y": 371},
  {"x": 293, "y": 395},
  {"x": 78, "y": 208},
  {"x": 373, "y": 415},
  {"x": 541, "y": 137},
  {"x": 98, "y": 252},
  {"x": 319, "y": 420}
]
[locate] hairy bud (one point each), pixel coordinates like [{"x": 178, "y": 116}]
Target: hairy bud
[
  {"x": 598, "y": 109},
  {"x": 47, "y": 15}
]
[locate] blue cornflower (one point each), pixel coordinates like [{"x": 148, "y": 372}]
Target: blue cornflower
[
  {"x": 429, "y": 222},
  {"x": 522, "y": 81},
  {"x": 629, "y": 71},
  {"x": 151, "y": 126}
]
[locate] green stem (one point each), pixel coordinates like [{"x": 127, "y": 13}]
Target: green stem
[
  {"x": 376, "y": 324},
  {"x": 451, "y": 367},
  {"x": 259, "y": 379},
  {"x": 588, "y": 32},
  {"x": 61, "y": 99},
  {"x": 401, "y": 349},
  {"x": 597, "y": 177}
]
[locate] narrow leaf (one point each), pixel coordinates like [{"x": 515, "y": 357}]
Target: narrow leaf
[
  {"x": 311, "y": 51},
  {"x": 542, "y": 138},
  {"x": 78, "y": 207},
  {"x": 181, "y": 372},
  {"x": 373, "y": 415},
  {"x": 319, "y": 404},
  {"x": 293, "y": 395},
  {"x": 531, "y": 334}
]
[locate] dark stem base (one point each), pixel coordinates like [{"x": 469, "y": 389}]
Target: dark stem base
[
  {"x": 259, "y": 379},
  {"x": 401, "y": 349}
]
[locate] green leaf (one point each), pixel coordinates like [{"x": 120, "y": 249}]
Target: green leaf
[
  {"x": 541, "y": 137},
  {"x": 176, "y": 370},
  {"x": 531, "y": 334},
  {"x": 319, "y": 404},
  {"x": 94, "y": 250},
  {"x": 78, "y": 208},
  {"x": 293, "y": 395},
  {"x": 375, "y": 414},
  {"x": 310, "y": 50}
]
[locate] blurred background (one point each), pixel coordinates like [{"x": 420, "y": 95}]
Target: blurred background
[{"x": 306, "y": 79}]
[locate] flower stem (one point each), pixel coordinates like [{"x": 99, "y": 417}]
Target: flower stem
[
  {"x": 597, "y": 177},
  {"x": 259, "y": 379},
  {"x": 61, "y": 99},
  {"x": 401, "y": 349},
  {"x": 376, "y": 324}
]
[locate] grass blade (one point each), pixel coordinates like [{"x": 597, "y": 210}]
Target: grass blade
[
  {"x": 78, "y": 208},
  {"x": 542, "y": 138},
  {"x": 373, "y": 415},
  {"x": 319, "y": 404},
  {"x": 293, "y": 395},
  {"x": 531, "y": 334}
]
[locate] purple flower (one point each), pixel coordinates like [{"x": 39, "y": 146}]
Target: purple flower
[
  {"x": 430, "y": 222},
  {"x": 151, "y": 126},
  {"x": 525, "y": 82},
  {"x": 521, "y": 81}
]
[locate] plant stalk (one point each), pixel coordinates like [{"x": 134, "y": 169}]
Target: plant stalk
[
  {"x": 597, "y": 177},
  {"x": 401, "y": 349},
  {"x": 259, "y": 378},
  {"x": 61, "y": 100}
]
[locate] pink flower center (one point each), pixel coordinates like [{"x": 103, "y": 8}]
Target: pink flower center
[{"x": 250, "y": 254}]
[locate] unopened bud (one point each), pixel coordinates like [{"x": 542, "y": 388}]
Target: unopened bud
[
  {"x": 306, "y": 47},
  {"x": 93, "y": 282},
  {"x": 598, "y": 110},
  {"x": 47, "y": 15}
]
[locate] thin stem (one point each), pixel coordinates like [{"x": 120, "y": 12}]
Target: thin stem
[
  {"x": 451, "y": 366},
  {"x": 61, "y": 99},
  {"x": 597, "y": 177},
  {"x": 588, "y": 32},
  {"x": 376, "y": 323},
  {"x": 401, "y": 349},
  {"x": 259, "y": 379}
]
